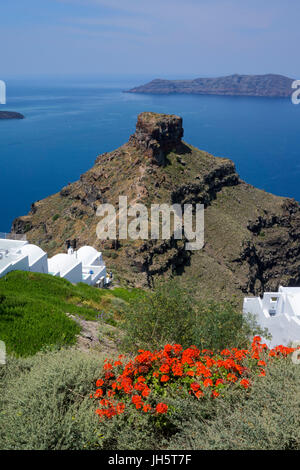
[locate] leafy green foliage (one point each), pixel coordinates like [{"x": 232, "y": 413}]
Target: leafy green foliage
[
  {"x": 169, "y": 314},
  {"x": 128, "y": 294},
  {"x": 45, "y": 404},
  {"x": 267, "y": 419},
  {"x": 33, "y": 310}
]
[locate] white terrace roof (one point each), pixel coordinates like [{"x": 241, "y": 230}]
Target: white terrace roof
[
  {"x": 33, "y": 252},
  {"x": 6, "y": 244},
  {"x": 87, "y": 254},
  {"x": 62, "y": 263}
]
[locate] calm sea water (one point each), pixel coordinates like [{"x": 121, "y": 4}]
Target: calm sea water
[{"x": 68, "y": 123}]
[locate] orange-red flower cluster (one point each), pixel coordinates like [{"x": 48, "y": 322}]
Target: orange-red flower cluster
[{"x": 143, "y": 381}]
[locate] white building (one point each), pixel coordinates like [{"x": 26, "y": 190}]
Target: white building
[
  {"x": 93, "y": 266},
  {"x": 279, "y": 312},
  {"x": 85, "y": 265},
  {"x": 20, "y": 255},
  {"x": 66, "y": 266}
]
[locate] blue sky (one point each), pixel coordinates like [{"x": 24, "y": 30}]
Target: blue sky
[{"x": 156, "y": 37}]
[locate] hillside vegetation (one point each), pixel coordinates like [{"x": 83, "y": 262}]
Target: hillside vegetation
[
  {"x": 45, "y": 404},
  {"x": 50, "y": 398},
  {"x": 33, "y": 310}
]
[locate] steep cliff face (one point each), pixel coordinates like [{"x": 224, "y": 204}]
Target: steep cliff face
[
  {"x": 251, "y": 237},
  {"x": 241, "y": 85},
  {"x": 157, "y": 134},
  {"x": 274, "y": 251}
]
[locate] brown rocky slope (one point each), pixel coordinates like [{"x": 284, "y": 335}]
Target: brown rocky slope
[{"x": 251, "y": 237}]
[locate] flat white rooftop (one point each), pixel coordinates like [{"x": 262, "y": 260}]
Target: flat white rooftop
[{"x": 279, "y": 312}]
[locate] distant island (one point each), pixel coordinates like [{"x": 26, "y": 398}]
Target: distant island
[
  {"x": 233, "y": 85},
  {"x": 10, "y": 115}
]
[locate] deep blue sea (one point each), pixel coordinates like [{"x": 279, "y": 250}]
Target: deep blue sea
[{"x": 69, "y": 122}]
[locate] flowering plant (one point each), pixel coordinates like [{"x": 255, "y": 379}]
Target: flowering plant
[{"x": 145, "y": 381}]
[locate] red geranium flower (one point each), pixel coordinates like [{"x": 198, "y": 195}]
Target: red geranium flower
[
  {"x": 120, "y": 408},
  {"x": 164, "y": 378},
  {"x": 245, "y": 383},
  {"x": 165, "y": 369},
  {"x": 136, "y": 378},
  {"x": 208, "y": 383},
  {"x": 161, "y": 408}
]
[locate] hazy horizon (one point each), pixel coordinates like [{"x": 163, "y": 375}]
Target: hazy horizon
[
  {"x": 164, "y": 39},
  {"x": 129, "y": 76}
]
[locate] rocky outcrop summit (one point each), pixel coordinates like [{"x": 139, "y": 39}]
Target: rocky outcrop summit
[
  {"x": 233, "y": 85},
  {"x": 252, "y": 238},
  {"x": 157, "y": 134},
  {"x": 10, "y": 115}
]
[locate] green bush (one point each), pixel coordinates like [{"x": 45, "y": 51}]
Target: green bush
[
  {"x": 110, "y": 254},
  {"x": 45, "y": 404},
  {"x": 45, "y": 401},
  {"x": 169, "y": 314},
  {"x": 267, "y": 418}
]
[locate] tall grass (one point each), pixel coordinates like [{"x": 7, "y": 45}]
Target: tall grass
[{"x": 33, "y": 310}]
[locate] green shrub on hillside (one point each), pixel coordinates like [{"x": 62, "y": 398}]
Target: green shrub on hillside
[
  {"x": 45, "y": 404},
  {"x": 267, "y": 419},
  {"x": 169, "y": 314},
  {"x": 45, "y": 401}
]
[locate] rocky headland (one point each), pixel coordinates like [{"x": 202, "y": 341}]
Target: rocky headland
[
  {"x": 269, "y": 85},
  {"x": 252, "y": 238},
  {"x": 10, "y": 115}
]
